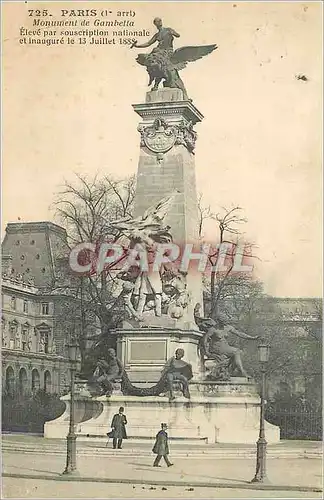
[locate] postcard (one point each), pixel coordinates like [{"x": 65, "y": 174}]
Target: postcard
[{"x": 161, "y": 249}]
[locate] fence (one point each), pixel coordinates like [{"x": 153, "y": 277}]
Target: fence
[{"x": 297, "y": 421}]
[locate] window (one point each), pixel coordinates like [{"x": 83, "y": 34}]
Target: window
[
  {"x": 25, "y": 306},
  {"x": 23, "y": 382},
  {"x": 12, "y": 330},
  {"x": 13, "y": 338},
  {"x": 10, "y": 381},
  {"x": 47, "y": 381},
  {"x": 45, "y": 308},
  {"x": 35, "y": 380},
  {"x": 13, "y": 303},
  {"x": 24, "y": 337}
]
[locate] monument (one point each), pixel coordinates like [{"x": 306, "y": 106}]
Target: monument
[{"x": 171, "y": 364}]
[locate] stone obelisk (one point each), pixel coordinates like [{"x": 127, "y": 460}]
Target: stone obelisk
[{"x": 167, "y": 164}]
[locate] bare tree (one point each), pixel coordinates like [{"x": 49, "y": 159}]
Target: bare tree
[
  {"x": 230, "y": 242},
  {"x": 204, "y": 213},
  {"x": 84, "y": 208}
]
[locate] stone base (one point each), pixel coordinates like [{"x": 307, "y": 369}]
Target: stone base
[
  {"x": 216, "y": 413},
  {"x": 164, "y": 95},
  {"x": 144, "y": 351}
]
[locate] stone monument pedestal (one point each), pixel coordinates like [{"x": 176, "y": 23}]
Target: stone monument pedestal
[
  {"x": 144, "y": 351},
  {"x": 223, "y": 412}
]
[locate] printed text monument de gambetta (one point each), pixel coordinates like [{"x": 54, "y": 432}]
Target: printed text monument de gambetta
[{"x": 48, "y": 27}]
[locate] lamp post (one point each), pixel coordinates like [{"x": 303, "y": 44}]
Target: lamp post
[
  {"x": 71, "y": 467},
  {"x": 260, "y": 474}
]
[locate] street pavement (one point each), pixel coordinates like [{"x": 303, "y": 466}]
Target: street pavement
[
  {"x": 29, "y": 488},
  {"x": 119, "y": 473}
]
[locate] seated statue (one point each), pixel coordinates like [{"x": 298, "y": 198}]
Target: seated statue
[
  {"x": 214, "y": 346},
  {"x": 107, "y": 372},
  {"x": 177, "y": 370}
]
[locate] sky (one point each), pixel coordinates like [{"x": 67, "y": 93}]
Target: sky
[{"x": 68, "y": 109}]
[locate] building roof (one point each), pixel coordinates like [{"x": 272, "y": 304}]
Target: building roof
[{"x": 37, "y": 226}]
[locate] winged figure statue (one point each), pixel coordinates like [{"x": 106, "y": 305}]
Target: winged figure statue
[
  {"x": 164, "y": 63},
  {"x": 149, "y": 227}
]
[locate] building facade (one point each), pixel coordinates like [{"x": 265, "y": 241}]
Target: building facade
[
  {"x": 29, "y": 355},
  {"x": 34, "y": 333}
]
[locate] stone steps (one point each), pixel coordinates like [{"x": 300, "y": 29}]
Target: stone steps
[{"x": 87, "y": 449}]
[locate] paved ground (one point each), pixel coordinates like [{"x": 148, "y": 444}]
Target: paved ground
[
  {"x": 29, "y": 488},
  {"x": 32, "y": 468},
  {"x": 283, "y": 473}
]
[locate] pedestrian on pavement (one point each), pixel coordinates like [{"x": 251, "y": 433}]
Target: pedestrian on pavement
[
  {"x": 161, "y": 447},
  {"x": 118, "y": 426}
]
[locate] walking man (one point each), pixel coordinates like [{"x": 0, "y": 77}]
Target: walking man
[
  {"x": 161, "y": 447},
  {"x": 118, "y": 426}
]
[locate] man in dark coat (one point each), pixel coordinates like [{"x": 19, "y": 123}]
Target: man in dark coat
[
  {"x": 161, "y": 447},
  {"x": 118, "y": 424}
]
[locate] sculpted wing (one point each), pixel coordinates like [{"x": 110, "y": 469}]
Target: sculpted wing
[
  {"x": 191, "y": 53},
  {"x": 158, "y": 212}
]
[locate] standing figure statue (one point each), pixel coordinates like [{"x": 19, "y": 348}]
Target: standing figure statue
[
  {"x": 4, "y": 339},
  {"x": 17, "y": 340},
  {"x": 164, "y": 63},
  {"x": 41, "y": 345},
  {"x": 107, "y": 371},
  {"x": 214, "y": 346},
  {"x": 177, "y": 370},
  {"x": 29, "y": 343},
  {"x": 129, "y": 287}
]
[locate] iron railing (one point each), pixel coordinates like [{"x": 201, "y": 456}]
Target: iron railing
[{"x": 301, "y": 420}]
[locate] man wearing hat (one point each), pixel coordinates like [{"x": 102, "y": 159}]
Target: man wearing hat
[
  {"x": 161, "y": 447},
  {"x": 118, "y": 426}
]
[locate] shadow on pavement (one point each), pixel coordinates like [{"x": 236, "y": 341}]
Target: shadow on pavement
[
  {"x": 34, "y": 470},
  {"x": 139, "y": 466}
]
